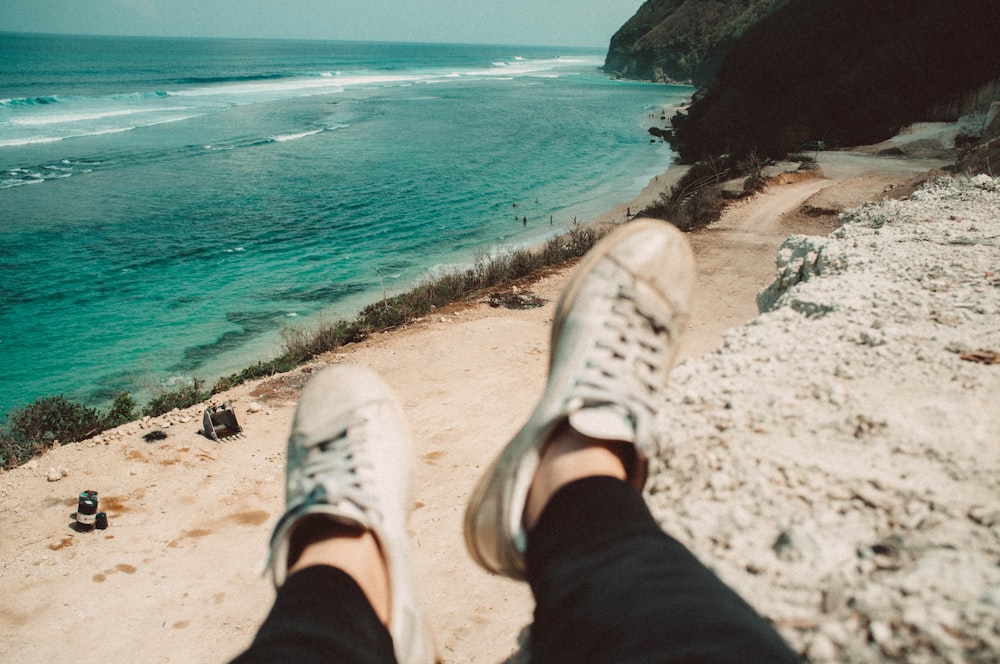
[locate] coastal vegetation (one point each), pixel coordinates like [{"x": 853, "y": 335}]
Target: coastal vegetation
[
  {"x": 487, "y": 271},
  {"x": 698, "y": 198},
  {"x": 49, "y": 421}
]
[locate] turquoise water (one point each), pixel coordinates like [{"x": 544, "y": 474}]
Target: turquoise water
[{"x": 168, "y": 206}]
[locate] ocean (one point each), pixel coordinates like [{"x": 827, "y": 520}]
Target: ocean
[{"x": 169, "y": 206}]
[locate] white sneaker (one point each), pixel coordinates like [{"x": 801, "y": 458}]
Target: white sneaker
[
  {"x": 614, "y": 338},
  {"x": 349, "y": 459}
]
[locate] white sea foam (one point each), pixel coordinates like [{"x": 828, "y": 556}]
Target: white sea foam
[
  {"x": 62, "y": 121},
  {"x": 66, "y": 118},
  {"x": 266, "y": 89},
  {"x": 28, "y": 140},
  {"x": 333, "y": 82},
  {"x": 179, "y": 118},
  {"x": 102, "y": 132},
  {"x": 55, "y": 133},
  {"x": 292, "y": 137},
  {"x": 7, "y": 184}
]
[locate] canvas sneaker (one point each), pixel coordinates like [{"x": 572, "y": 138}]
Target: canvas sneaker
[
  {"x": 615, "y": 335},
  {"x": 349, "y": 460}
]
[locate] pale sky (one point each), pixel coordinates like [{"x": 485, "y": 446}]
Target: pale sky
[{"x": 521, "y": 22}]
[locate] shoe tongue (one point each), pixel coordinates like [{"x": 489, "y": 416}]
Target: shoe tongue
[{"x": 606, "y": 421}]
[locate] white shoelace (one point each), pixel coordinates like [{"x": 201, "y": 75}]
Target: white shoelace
[
  {"x": 631, "y": 357},
  {"x": 338, "y": 470}
]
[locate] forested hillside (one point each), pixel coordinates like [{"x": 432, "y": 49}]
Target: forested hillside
[{"x": 846, "y": 72}]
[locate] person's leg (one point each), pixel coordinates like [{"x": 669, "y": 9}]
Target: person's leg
[
  {"x": 561, "y": 506},
  {"x": 320, "y": 615},
  {"x": 611, "y": 586},
  {"x": 339, "y": 554}
]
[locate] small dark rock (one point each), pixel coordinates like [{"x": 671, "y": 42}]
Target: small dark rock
[{"x": 154, "y": 436}]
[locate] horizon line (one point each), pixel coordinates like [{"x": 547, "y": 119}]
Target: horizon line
[{"x": 297, "y": 39}]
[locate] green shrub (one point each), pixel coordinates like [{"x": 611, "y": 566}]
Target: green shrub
[
  {"x": 54, "y": 418},
  {"x": 700, "y": 210},
  {"x": 965, "y": 140},
  {"x": 301, "y": 346},
  {"x": 183, "y": 397},
  {"x": 15, "y": 451},
  {"x": 753, "y": 166},
  {"x": 122, "y": 410},
  {"x": 30, "y": 430},
  {"x": 691, "y": 212},
  {"x": 41, "y": 423}
]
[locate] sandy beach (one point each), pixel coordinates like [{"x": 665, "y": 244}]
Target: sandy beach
[{"x": 177, "y": 575}]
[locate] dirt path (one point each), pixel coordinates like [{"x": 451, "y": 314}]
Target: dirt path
[
  {"x": 175, "y": 577},
  {"x": 735, "y": 260}
]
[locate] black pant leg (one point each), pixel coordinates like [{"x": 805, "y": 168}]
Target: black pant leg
[
  {"x": 320, "y": 615},
  {"x": 611, "y": 586}
]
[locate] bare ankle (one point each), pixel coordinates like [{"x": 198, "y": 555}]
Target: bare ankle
[
  {"x": 354, "y": 551},
  {"x": 571, "y": 456}
]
